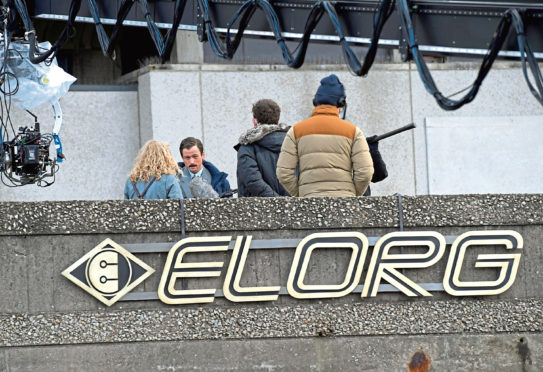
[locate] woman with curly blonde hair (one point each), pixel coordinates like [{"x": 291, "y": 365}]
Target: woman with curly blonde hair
[{"x": 154, "y": 175}]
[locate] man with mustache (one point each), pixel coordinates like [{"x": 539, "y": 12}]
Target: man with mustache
[{"x": 194, "y": 165}]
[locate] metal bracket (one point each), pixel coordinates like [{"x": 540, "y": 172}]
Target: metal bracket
[
  {"x": 200, "y": 29},
  {"x": 403, "y": 47}
]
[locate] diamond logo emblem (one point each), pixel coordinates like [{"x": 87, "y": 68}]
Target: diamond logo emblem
[{"x": 108, "y": 272}]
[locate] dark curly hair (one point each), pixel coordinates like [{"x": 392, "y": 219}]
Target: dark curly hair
[{"x": 266, "y": 111}]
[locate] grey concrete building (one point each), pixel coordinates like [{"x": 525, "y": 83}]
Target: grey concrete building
[{"x": 489, "y": 146}]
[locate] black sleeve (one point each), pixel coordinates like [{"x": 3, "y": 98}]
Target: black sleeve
[{"x": 379, "y": 167}]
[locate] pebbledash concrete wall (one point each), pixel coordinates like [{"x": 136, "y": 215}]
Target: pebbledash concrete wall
[
  {"x": 48, "y": 323},
  {"x": 489, "y": 146}
]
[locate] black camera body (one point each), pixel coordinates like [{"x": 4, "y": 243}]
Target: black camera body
[{"x": 27, "y": 156}]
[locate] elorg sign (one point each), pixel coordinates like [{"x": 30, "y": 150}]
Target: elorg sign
[{"x": 109, "y": 271}]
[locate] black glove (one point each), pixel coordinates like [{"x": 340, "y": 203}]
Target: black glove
[{"x": 379, "y": 167}]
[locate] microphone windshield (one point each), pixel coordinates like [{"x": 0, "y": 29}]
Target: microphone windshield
[{"x": 200, "y": 188}]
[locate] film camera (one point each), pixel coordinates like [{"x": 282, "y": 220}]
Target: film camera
[{"x": 25, "y": 159}]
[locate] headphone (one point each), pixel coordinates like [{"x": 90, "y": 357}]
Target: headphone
[{"x": 340, "y": 103}]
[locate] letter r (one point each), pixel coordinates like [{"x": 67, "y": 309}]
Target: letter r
[{"x": 384, "y": 265}]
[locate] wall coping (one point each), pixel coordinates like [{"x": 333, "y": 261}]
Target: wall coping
[
  {"x": 249, "y": 214},
  {"x": 475, "y": 64}
]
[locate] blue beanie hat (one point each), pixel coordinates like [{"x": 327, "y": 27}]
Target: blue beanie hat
[{"x": 330, "y": 92}]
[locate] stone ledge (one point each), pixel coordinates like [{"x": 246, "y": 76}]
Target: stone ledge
[
  {"x": 257, "y": 322},
  {"x": 246, "y": 214},
  {"x": 474, "y": 210}
]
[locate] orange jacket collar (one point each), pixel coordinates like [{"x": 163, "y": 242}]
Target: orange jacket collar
[{"x": 325, "y": 110}]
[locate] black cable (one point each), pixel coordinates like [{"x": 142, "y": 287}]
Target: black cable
[
  {"x": 124, "y": 9},
  {"x": 4, "y": 130},
  {"x": 13, "y": 184},
  {"x": 172, "y": 32},
  {"x": 163, "y": 45},
  {"x": 524, "y": 48},
  {"x": 509, "y": 18},
  {"x": 3, "y": 80},
  {"x": 7, "y": 103},
  {"x": 66, "y": 34},
  {"x": 5, "y": 75},
  {"x": 384, "y": 12},
  {"x": 460, "y": 91},
  {"x": 6, "y": 99},
  {"x": 247, "y": 9}
]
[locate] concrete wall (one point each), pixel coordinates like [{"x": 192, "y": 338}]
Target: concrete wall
[
  {"x": 492, "y": 154},
  {"x": 214, "y": 103},
  {"x": 504, "y": 100},
  {"x": 49, "y": 323},
  {"x": 485, "y": 147},
  {"x": 100, "y": 140},
  {"x": 514, "y": 352}
]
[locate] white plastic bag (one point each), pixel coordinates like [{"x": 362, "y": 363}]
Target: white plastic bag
[{"x": 31, "y": 84}]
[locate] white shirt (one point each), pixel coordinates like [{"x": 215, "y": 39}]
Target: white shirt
[{"x": 197, "y": 174}]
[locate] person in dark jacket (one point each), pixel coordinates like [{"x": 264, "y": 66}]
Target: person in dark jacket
[
  {"x": 194, "y": 165},
  {"x": 258, "y": 150}
]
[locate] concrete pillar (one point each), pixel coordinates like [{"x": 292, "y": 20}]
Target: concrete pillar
[
  {"x": 187, "y": 48},
  {"x": 170, "y": 106}
]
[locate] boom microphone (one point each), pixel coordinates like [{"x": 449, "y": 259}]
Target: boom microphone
[{"x": 200, "y": 188}]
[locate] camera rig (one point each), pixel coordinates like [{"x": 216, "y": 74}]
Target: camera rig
[{"x": 26, "y": 158}]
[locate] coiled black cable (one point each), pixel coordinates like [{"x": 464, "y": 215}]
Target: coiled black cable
[
  {"x": 164, "y": 46},
  {"x": 527, "y": 54},
  {"x": 510, "y": 17},
  {"x": 247, "y": 9},
  {"x": 122, "y": 13},
  {"x": 66, "y": 34},
  {"x": 511, "y": 20}
]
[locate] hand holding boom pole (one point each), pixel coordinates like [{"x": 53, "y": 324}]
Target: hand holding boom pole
[{"x": 379, "y": 167}]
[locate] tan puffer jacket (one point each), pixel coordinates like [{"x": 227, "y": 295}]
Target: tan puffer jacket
[{"x": 333, "y": 157}]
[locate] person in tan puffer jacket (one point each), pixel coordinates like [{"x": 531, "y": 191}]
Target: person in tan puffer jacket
[{"x": 332, "y": 154}]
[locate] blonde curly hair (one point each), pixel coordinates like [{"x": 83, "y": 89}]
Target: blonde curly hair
[{"x": 154, "y": 159}]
